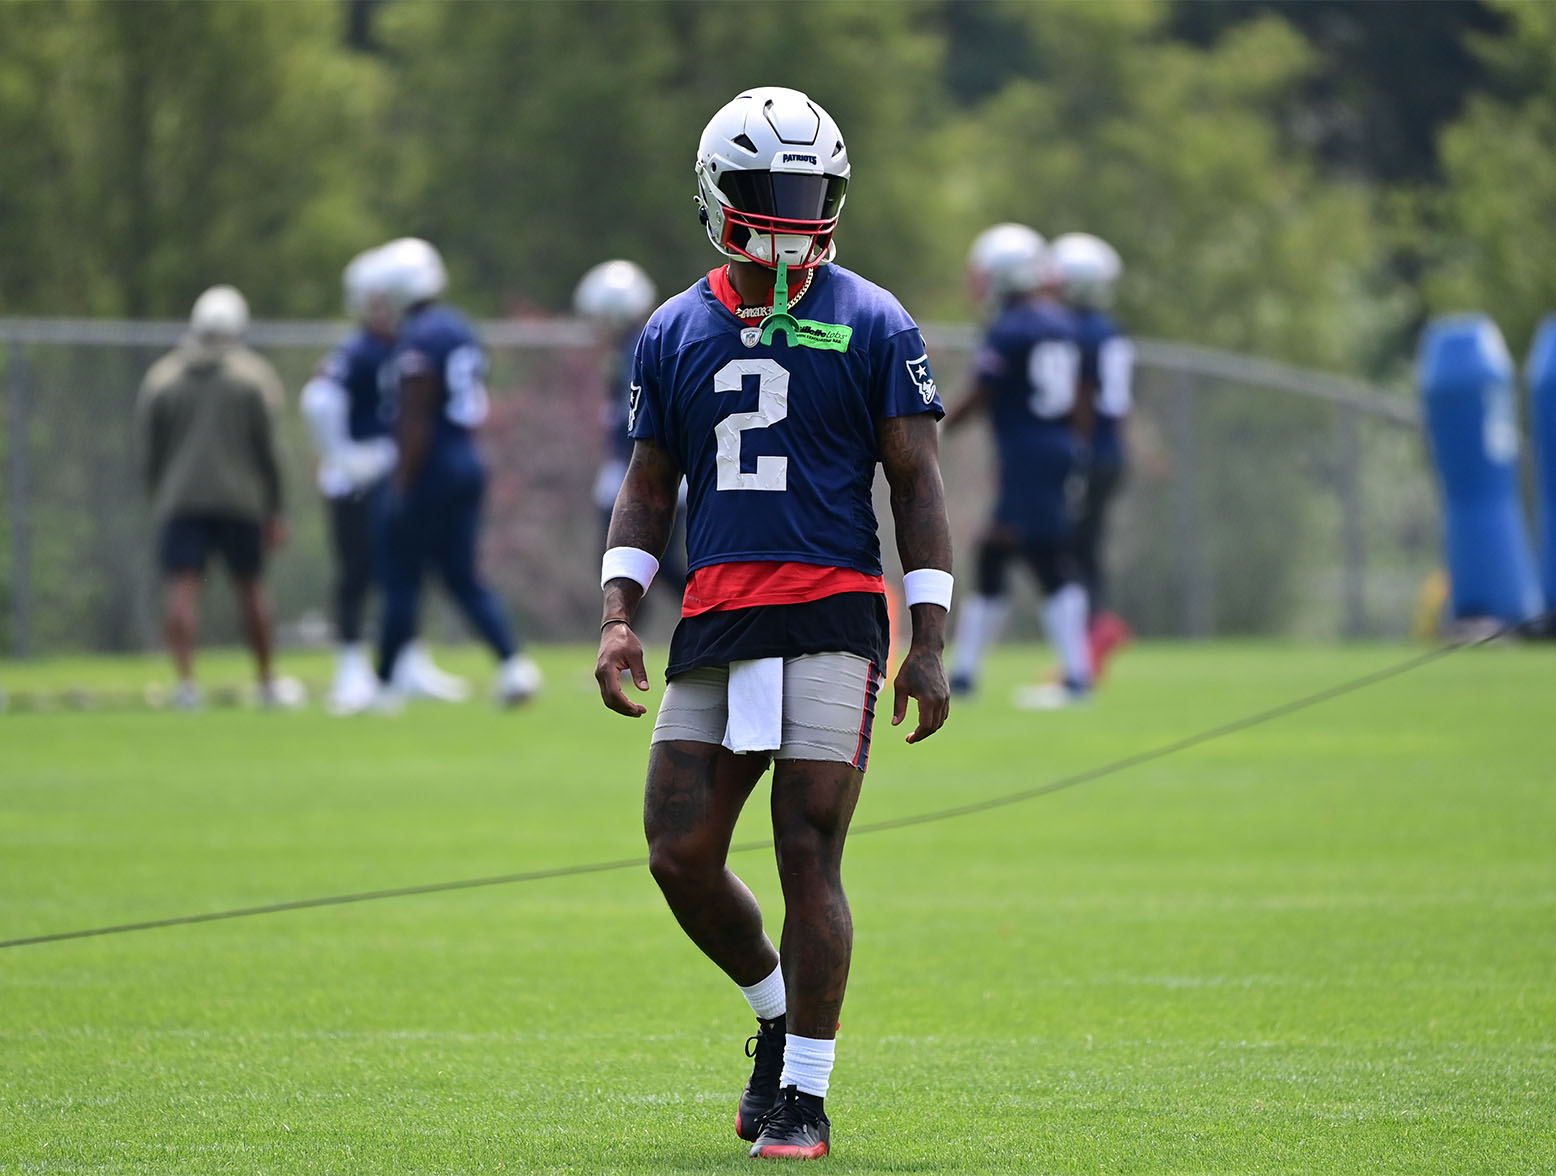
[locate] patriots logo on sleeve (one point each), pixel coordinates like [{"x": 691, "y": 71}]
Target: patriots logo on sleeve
[
  {"x": 923, "y": 380},
  {"x": 634, "y": 398}
]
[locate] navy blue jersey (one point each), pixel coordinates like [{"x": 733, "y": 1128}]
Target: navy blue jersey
[
  {"x": 1107, "y": 365},
  {"x": 436, "y": 340},
  {"x": 1030, "y": 364},
  {"x": 618, "y": 443},
  {"x": 777, "y": 442},
  {"x": 361, "y": 366}
]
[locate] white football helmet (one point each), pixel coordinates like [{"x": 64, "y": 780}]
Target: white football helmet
[
  {"x": 357, "y": 282},
  {"x": 1005, "y": 261},
  {"x": 617, "y": 294},
  {"x": 366, "y": 295},
  {"x": 1085, "y": 269},
  {"x": 772, "y": 173},
  {"x": 219, "y": 313},
  {"x": 410, "y": 271}
]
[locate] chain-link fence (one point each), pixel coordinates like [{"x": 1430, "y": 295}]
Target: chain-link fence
[{"x": 1262, "y": 499}]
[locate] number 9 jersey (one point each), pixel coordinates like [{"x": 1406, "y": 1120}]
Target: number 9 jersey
[
  {"x": 437, "y": 341},
  {"x": 777, "y": 441}
]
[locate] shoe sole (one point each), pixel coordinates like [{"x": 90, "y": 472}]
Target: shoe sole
[
  {"x": 741, "y": 1129},
  {"x": 789, "y": 1151}
]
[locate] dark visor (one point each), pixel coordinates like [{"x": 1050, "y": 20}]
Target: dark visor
[{"x": 792, "y": 197}]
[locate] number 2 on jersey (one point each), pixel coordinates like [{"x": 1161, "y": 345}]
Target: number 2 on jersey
[{"x": 772, "y": 391}]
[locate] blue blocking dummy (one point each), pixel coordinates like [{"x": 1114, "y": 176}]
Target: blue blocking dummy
[
  {"x": 1541, "y": 371},
  {"x": 1466, "y": 378}
]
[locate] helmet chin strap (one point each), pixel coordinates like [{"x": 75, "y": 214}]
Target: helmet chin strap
[{"x": 780, "y": 319}]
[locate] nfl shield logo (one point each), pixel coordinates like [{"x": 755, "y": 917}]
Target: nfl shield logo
[{"x": 751, "y": 336}]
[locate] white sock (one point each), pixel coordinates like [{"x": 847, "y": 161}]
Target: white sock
[
  {"x": 807, "y": 1063},
  {"x": 1064, "y": 620},
  {"x": 978, "y": 626},
  {"x": 766, "y": 997}
]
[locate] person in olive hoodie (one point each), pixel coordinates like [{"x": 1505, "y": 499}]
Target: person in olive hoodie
[{"x": 206, "y": 434}]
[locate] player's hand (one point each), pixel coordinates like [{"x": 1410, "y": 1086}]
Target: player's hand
[
  {"x": 922, "y": 676},
  {"x": 620, "y": 650}
]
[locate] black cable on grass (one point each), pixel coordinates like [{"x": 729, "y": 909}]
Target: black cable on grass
[{"x": 946, "y": 814}]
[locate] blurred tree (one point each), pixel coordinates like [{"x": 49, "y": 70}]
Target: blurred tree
[
  {"x": 541, "y": 138},
  {"x": 1487, "y": 236},
  {"x": 171, "y": 146},
  {"x": 1386, "y": 79}
]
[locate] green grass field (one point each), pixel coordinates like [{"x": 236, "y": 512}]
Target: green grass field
[{"x": 1324, "y": 945}]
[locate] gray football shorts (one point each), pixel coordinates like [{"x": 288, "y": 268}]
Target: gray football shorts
[{"x": 828, "y": 707}]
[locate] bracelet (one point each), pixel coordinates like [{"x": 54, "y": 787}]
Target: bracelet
[
  {"x": 927, "y": 586},
  {"x": 628, "y": 563},
  {"x": 615, "y": 621}
]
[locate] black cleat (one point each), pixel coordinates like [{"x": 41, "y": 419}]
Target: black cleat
[
  {"x": 765, "y": 1049},
  {"x": 795, "y": 1129}
]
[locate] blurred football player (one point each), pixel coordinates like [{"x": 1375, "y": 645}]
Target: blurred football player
[
  {"x": 432, "y": 515},
  {"x": 617, "y": 297},
  {"x": 206, "y": 433},
  {"x": 348, "y": 414},
  {"x": 1087, "y": 270},
  {"x": 1025, "y": 379},
  {"x": 778, "y": 423}
]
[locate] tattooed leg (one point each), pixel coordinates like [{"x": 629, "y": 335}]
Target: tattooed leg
[
  {"x": 813, "y": 801},
  {"x": 694, "y": 797}
]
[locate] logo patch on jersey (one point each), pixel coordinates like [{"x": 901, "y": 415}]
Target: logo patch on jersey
[
  {"x": 751, "y": 336},
  {"x": 634, "y": 398},
  {"x": 824, "y": 336},
  {"x": 918, "y": 369}
]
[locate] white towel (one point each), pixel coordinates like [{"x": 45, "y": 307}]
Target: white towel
[{"x": 755, "y": 705}]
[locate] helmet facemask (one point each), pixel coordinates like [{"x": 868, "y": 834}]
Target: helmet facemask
[{"x": 771, "y": 216}]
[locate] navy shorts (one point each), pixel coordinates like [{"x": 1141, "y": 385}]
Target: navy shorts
[{"x": 189, "y": 540}]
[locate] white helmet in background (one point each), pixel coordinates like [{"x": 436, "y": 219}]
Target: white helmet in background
[
  {"x": 1005, "y": 261},
  {"x": 772, "y": 174},
  {"x": 1086, "y": 268},
  {"x": 219, "y": 314},
  {"x": 616, "y": 293},
  {"x": 357, "y": 281},
  {"x": 409, "y": 271}
]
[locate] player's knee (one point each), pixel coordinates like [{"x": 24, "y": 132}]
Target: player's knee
[
  {"x": 680, "y": 866},
  {"x": 808, "y": 845}
]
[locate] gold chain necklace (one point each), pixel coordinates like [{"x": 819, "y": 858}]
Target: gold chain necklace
[{"x": 750, "y": 312}]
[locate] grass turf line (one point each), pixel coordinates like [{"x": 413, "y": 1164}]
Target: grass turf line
[{"x": 1324, "y": 945}]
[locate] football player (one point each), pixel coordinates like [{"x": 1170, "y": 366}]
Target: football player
[
  {"x": 778, "y": 421},
  {"x": 617, "y": 297},
  {"x": 433, "y": 513},
  {"x": 1087, "y": 270},
  {"x": 1025, "y": 379},
  {"x": 348, "y": 417}
]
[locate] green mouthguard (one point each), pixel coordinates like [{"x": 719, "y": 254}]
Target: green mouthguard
[{"x": 780, "y": 319}]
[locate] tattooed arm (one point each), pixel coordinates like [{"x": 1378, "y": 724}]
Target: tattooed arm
[
  {"x": 644, "y": 513},
  {"x": 909, "y": 448}
]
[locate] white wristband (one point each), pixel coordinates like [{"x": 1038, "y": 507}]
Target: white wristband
[
  {"x": 628, "y": 563},
  {"x": 927, "y": 586}
]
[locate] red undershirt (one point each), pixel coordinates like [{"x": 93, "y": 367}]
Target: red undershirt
[{"x": 750, "y": 583}]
